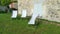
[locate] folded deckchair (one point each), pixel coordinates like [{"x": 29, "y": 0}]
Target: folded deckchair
[
  {"x": 14, "y": 14},
  {"x": 37, "y": 11},
  {"x": 24, "y": 13}
]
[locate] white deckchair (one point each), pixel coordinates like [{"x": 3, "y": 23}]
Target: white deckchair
[
  {"x": 37, "y": 11},
  {"x": 24, "y": 13},
  {"x": 14, "y": 14}
]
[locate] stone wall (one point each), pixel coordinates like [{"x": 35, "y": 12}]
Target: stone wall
[
  {"x": 25, "y": 4},
  {"x": 52, "y": 10}
]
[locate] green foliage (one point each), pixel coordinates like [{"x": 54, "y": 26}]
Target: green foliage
[{"x": 4, "y": 2}]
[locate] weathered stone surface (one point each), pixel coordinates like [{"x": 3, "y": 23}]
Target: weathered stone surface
[
  {"x": 25, "y": 4},
  {"x": 51, "y": 8}
]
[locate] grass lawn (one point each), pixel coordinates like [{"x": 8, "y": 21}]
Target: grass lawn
[{"x": 20, "y": 26}]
